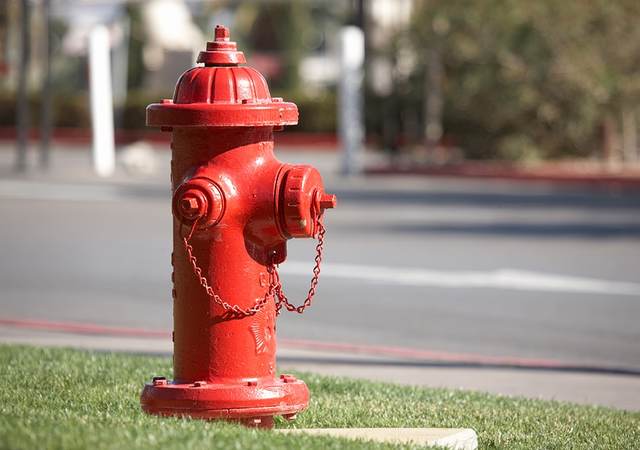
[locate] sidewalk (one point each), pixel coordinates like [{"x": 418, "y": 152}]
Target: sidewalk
[
  {"x": 616, "y": 391},
  {"x": 140, "y": 163},
  {"x": 584, "y": 173},
  {"x": 73, "y": 162}
]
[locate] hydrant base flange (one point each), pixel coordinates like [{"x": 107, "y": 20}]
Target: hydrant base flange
[{"x": 236, "y": 402}]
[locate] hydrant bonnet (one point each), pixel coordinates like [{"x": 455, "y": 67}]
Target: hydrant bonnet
[{"x": 221, "y": 93}]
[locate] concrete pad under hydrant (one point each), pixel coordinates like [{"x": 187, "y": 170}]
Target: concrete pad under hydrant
[{"x": 452, "y": 438}]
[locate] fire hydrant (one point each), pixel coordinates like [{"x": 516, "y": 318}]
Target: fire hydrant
[{"x": 234, "y": 208}]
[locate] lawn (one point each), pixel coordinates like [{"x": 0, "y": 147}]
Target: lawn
[{"x": 68, "y": 399}]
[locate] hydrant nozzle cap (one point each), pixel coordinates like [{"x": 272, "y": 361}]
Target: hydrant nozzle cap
[{"x": 221, "y": 51}]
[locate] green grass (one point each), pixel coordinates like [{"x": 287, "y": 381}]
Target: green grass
[{"x": 66, "y": 399}]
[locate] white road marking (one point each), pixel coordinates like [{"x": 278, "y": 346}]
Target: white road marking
[
  {"x": 520, "y": 280},
  {"x": 498, "y": 279}
]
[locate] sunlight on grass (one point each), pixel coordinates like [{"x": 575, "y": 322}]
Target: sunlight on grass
[{"x": 67, "y": 399}]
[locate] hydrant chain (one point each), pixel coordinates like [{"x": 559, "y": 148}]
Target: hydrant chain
[
  {"x": 282, "y": 299},
  {"x": 275, "y": 285},
  {"x": 235, "y": 309}
]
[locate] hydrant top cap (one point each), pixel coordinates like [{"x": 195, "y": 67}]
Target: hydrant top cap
[
  {"x": 222, "y": 94},
  {"x": 221, "y": 51}
]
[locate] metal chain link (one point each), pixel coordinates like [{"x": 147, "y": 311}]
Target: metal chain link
[
  {"x": 234, "y": 309},
  {"x": 275, "y": 285},
  {"x": 282, "y": 299}
]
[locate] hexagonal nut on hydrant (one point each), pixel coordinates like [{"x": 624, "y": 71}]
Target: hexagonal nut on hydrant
[
  {"x": 325, "y": 201},
  {"x": 198, "y": 199}
]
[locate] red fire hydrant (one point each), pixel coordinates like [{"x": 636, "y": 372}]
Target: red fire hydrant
[{"x": 234, "y": 208}]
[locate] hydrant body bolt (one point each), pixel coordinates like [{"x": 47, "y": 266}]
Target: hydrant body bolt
[{"x": 159, "y": 381}]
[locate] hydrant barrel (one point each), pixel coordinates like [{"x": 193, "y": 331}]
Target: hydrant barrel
[
  {"x": 234, "y": 256},
  {"x": 234, "y": 208}
]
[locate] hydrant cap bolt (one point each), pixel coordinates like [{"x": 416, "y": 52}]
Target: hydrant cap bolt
[
  {"x": 221, "y": 33},
  {"x": 199, "y": 199},
  {"x": 190, "y": 206},
  {"x": 221, "y": 51},
  {"x": 328, "y": 201}
]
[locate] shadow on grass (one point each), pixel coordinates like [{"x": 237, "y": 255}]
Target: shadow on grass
[
  {"x": 510, "y": 229},
  {"x": 570, "y": 368}
]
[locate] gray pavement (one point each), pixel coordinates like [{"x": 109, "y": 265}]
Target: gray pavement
[{"x": 507, "y": 269}]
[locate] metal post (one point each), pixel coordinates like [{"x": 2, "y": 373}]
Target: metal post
[
  {"x": 101, "y": 101},
  {"x": 22, "y": 119},
  {"x": 45, "y": 125},
  {"x": 351, "y": 128},
  {"x": 121, "y": 67},
  {"x": 433, "y": 101},
  {"x": 360, "y": 15}
]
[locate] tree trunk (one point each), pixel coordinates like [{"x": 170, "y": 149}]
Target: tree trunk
[
  {"x": 629, "y": 135},
  {"x": 433, "y": 100},
  {"x": 610, "y": 142}
]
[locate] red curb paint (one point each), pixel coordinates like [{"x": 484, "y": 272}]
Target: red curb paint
[
  {"x": 301, "y": 344},
  {"x": 502, "y": 171},
  {"x": 81, "y": 137},
  {"x": 83, "y": 328}
]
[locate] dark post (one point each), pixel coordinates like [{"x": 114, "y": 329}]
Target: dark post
[
  {"x": 22, "y": 99},
  {"x": 46, "y": 89},
  {"x": 360, "y": 15}
]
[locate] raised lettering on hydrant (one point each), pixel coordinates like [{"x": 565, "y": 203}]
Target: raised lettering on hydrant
[{"x": 234, "y": 208}]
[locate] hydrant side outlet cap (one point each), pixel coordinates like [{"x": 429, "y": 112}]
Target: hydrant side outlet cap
[{"x": 222, "y": 94}]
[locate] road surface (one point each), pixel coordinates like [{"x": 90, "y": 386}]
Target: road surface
[{"x": 493, "y": 269}]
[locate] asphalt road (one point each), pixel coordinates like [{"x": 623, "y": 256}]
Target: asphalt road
[{"x": 489, "y": 268}]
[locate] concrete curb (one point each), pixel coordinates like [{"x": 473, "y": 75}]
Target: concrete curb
[{"x": 451, "y": 438}]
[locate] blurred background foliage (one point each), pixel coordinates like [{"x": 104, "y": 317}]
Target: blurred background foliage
[
  {"x": 539, "y": 79},
  {"x": 496, "y": 79}
]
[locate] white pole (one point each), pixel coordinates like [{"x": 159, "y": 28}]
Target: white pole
[
  {"x": 351, "y": 128},
  {"x": 101, "y": 101}
]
